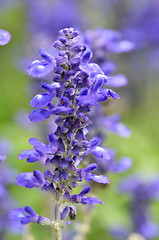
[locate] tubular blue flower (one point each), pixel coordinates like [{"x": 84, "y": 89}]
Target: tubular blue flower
[
  {"x": 39, "y": 115},
  {"x": 27, "y": 214},
  {"x": 30, "y": 155},
  {"x": 30, "y": 180},
  {"x": 65, "y": 213},
  {"x": 41, "y": 100}
]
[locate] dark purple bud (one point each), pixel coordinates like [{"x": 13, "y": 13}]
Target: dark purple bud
[
  {"x": 75, "y": 149},
  {"x": 52, "y": 139},
  {"x": 84, "y": 145},
  {"x": 61, "y": 60},
  {"x": 63, "y": 129},
  {"x": 69, "y": 92},
  {"x": 69, "y": 33},
  {"x": 57, "y": 78},
  {"x": 85, "y": 191},
  {"x": 49, "y": 188},
  {"x": 75, "y": 143},
  {"x": 97, "y": 85},
  {"x": 64, "y": 175},
  {"x": 68, "y": 122},
  {"x": 59, "y": 121},
  {"x": 37, "y": 174},
  {"x": 56, "y": 160},
  {"x": 78, "y": 47},
  {"x": 30, "y": 211},
  {"x": 64, "y": 164},
  {"x": 91, "y": 167},
  {"x": 80, "y": 135},
  {"x": 64, "y": 40},
  {"x": 48, "y": 175},
  {"x": 87, "y": 55},
  {"x": 74, "y": 64},
  {"x": 61, "y": 146},
  {"x": 111, "y": 93},
  {"x": 70, "y": 134},
  {"x": 85, "y": 108},
  {"x": 59, "y": 45},
  {"x": 58, "y": 133},
  {"x": 65, "y": 213}
]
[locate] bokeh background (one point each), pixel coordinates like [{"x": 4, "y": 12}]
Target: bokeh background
[{"x": 34, "y": 24}]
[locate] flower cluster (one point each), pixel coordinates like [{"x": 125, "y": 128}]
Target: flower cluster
[
  {"x": 78, "y": 85},
  {"x": 142, "y": 194}
]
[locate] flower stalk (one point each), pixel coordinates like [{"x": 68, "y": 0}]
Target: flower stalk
[{"x": 78, "y": 86}]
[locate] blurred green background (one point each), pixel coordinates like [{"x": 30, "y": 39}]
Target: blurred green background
[{"x": 140, "y": 114}]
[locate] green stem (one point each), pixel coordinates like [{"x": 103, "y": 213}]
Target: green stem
[{"x": 57, "y": 222}]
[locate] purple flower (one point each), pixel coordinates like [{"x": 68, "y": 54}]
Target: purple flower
[
  {"x": 30, "y": 180},
  {"x": 78, "y": 86},
  {"x": 26, "y": 215},
  {"x": 91, "y": 200},
  {"x": 4, "y": 37},
  {"x": 41, "y": 68}
]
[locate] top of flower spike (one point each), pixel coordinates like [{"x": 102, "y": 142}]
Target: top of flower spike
[
  {"x": 77, "y": 83},
  {"x": 69, "y": 33}
]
